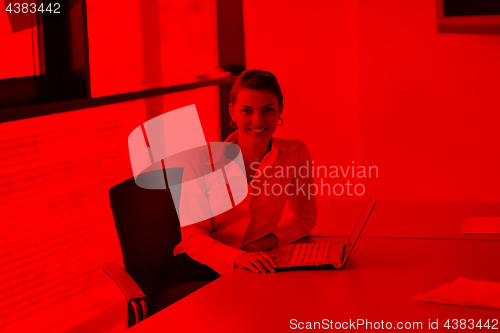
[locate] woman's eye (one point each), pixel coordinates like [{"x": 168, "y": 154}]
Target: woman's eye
[
  {"x": 246, "y": 110},
  {"x": 268, "y": 109}
]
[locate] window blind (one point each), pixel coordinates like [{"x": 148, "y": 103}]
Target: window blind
[{"x": 56, "y": 225}]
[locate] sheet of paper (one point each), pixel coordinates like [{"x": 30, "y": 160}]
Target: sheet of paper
[
  {"x": 465, "y": 292},
  {"x": 480, "y": 225}
]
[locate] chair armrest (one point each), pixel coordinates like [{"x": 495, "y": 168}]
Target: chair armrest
[{"x": 124, "y": 281}]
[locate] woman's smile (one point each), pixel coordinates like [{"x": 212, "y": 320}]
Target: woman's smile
[{"x": 258, "y": 130}]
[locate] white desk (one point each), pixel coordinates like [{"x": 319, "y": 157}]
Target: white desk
[{"x": 375, "y": 284}]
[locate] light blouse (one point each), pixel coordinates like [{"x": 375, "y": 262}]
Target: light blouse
[{"x": 281, "y": 183}]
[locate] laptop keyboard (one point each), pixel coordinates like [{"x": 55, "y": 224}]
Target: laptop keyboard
[{"x": 309, "y": 253}]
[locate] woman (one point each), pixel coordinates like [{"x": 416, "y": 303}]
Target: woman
[{"x": 237, "y": 237}]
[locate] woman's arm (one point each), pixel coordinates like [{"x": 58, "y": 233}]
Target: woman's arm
[
  {"x": 301, "y": 203},
  {"x": 199, "y": 245},
  {"x": 263, "y": 244},
  {"x": 195, "y": 215}
]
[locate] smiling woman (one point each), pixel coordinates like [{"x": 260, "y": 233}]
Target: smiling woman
[
  {"x": 257, "y": 112},
  {"x": 237, "y": 237}
]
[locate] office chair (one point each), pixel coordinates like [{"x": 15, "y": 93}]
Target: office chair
[{"x": 149, "y": 229}]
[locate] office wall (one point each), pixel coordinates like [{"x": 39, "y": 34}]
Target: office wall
[{"x": 374, "y": 83}]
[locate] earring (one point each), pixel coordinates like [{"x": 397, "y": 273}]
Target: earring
[
  {"x": 232, "y": 123},
  {"x": 281, "y": 122}
]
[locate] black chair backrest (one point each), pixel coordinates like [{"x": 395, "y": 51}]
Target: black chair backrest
[{"x": 148, "y": 228}]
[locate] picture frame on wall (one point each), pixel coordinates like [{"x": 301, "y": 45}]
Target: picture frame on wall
[{"x": 468, "y": 16}]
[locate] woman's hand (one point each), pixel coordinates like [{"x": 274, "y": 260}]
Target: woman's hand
[
  {"x": 263, "y": 244},
  {"x": 257, "y": 262}
]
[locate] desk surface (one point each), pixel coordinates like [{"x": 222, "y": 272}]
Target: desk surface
[
  {"x": 375, "y": 284},
  {"x": 404, "y": 219}
]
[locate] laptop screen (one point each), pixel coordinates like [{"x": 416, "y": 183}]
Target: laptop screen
[{"x": 361, "y": 223}]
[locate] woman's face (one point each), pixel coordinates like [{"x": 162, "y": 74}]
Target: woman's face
[{"x": 256, "y": 112}]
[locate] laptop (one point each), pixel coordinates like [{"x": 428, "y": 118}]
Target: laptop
[{"x": 322, "y": 255}]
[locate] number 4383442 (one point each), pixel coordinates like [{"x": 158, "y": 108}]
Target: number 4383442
[
  {"x": 471, "y": 324},
  {"x": 32, "y": 8}
]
